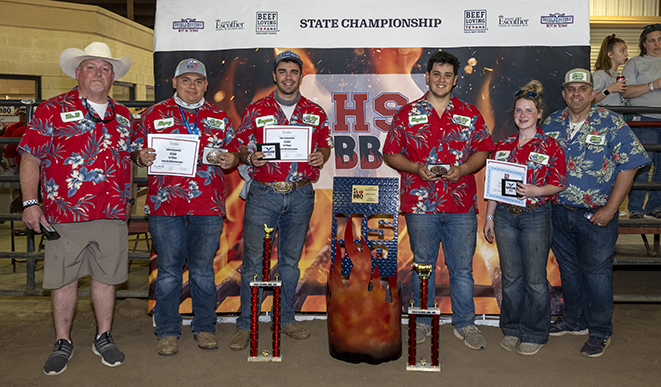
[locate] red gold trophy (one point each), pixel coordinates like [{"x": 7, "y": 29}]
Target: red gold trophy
[
  {"x": 254, "y": 307},
  {"x": 424, "y": 271}
]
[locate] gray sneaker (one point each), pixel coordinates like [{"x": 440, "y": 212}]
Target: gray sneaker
[
  {"x": 528, "y": 349},
  {"x": 57, "y": 361},
  {"x": 471, "y": 336},
  {"x": 422, "y": 331},
  {"x": 105, "y": 347},
  {"x": 510, "y": 343}
]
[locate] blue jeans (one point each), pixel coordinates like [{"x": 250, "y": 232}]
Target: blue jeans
[
  {"x": 289, "y": 213},
  {"x": 585, "y": 254},
  {"x": 637, "y": 197},
  {"x": 178, "y": 239},
  {"x": 458, "y": 233},
  {"x": 523, "y": 243}
]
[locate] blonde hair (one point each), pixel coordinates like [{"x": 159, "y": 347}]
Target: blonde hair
[{"x": 535, "y": 87}]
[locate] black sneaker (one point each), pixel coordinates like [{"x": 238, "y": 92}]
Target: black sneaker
[
  {"x": 105, "y": 347},
  {"x": 595, "y": 346},
  {"x": 57, "y": 361},
  {"x": 559, "y": 328}
]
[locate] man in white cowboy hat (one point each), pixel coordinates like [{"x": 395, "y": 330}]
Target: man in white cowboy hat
[
  {"x": 78, "y": 145},
  {"x": 603, "y": 156},
  {"x": 186, "y": 213}
]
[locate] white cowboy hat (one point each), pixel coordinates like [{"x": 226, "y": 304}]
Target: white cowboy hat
[{"x": 71, "y": 58}]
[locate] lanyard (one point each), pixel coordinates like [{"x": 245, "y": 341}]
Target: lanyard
[{"x": 186, "y": 123}]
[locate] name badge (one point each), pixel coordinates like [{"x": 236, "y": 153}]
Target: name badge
[
  {"x": 461, "y": 120},
  {"x": 311, "y": 119},
  {"x": 163, "y": 123},
  {"x": 123, "y": 120},
  {"x": 553, "y": 134},
  {"x": 75, "y": 115},
  {"x": 539, "y": 158},
  {"x": 261, "y": 122},
  {"x": 215, "y": 123},
  {"x": 417, "y": 120},
  {"x": 595, "y": 139},
  {"x": 501, "y": 155}
]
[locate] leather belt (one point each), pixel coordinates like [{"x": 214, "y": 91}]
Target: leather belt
[
  {"x": 284, "y": 186},
  {"x": 518, "y": 210},
  {"x": 570, "y": 208}
]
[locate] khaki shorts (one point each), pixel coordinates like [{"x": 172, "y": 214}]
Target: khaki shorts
[{"x": 98, "y": 248}]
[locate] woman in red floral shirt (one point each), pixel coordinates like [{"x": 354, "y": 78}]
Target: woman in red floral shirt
[{"x": 524, "y": 233}]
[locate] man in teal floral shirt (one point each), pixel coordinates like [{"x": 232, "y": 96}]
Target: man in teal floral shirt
[{"x": 602, "y": 156}]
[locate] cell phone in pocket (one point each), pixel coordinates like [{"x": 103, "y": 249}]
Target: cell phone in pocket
[{"x": 49, "y": 232}]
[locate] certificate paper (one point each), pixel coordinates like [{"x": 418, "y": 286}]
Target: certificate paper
[
  {"x": 176, "y": 154},
  {"x": 295, "y": 141},
  {"x": 499, "y": 173}
]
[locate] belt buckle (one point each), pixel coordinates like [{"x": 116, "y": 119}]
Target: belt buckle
[
  {"x": 516, "y": 210},
  {"x": 282, "y": 187}
]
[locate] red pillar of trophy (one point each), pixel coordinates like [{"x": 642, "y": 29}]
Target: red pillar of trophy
[
  {"x": 254, "y": 306},
  {"x": 424, "y": 272}
]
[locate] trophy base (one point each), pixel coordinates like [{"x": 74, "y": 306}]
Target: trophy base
[
  {"x": 420, "y": 366},
  {"x": 267, "y": 358}
]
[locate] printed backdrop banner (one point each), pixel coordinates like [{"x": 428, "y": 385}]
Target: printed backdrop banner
[{"x": 363, "y": 60}]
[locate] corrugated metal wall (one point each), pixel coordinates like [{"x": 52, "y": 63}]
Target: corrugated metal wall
[{"x": 632, "y": 15}]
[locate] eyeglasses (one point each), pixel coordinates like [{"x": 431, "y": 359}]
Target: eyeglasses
[
  {"x": 530, "y": 94},
  {"x": 653, "y": 26},
  {"x": 96, "y": 119}
]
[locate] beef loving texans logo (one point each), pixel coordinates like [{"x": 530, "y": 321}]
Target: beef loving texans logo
[
  {"x": 266, "y": 23},
  {"x": 475, "y": 21},
  {"x": 188, "y": 25}
]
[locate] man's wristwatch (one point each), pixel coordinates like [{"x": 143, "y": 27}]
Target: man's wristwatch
[
  {"x": 651, "y": 85},
  {"x": 30, "y": 203},
  {"x": 131, "y": 201},
  {"x": 606, "y": 92},
  {"x": 249, "y": 159}
]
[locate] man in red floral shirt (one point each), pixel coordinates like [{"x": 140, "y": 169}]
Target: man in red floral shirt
[
  {"x": 186, "y": 213},
  {"x": 280, "y": 193},
  {"x": 438, "y": 143},
  {"x": 78, "y": 144}
]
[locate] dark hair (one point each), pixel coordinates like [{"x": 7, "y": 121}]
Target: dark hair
[
  {"x": 532, "y": 91},
  {"x": 443, "y": 57},
  {"x": 643, "y": 36},
  {"x": 603, "y": 60}
]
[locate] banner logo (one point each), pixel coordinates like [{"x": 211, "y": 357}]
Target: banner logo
[
  {"x": 188, "y": 25},
  {"x": 512, "y": 21},
  {"x": 475, "y": 21},
  {"x": 267, "y": 23},
  {"x": 557, "y": 20},
  {"x": 228, "y": 25}
]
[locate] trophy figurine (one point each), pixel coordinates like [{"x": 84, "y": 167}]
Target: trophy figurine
[
  {"x": 424, "y": 272},
  {"x": 255, "y": 285}
]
